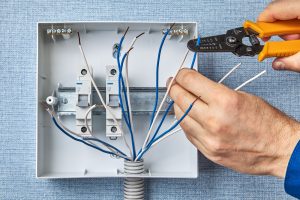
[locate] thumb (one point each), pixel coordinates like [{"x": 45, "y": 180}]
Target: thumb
[{"x": 291, "y": 63}]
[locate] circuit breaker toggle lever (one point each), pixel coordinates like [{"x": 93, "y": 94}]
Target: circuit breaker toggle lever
[{"x": 112, "y": 100}]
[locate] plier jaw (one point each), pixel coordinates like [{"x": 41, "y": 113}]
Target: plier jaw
[{"x": 232, "y": 41}]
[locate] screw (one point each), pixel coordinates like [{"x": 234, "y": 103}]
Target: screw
[
  {"x": 248, "y": 49},
  {"x": 83, "y": 72},
  {"x": 116, "y": 46},
  {"x": 231, "y": 39},
  {"x": 83, "y": 129},
  {"x": 49, "y": 31},
  {"x": 115, "y": 50},
  {"x": 113, "y": 72},
  {"x": 65, "y": 100},
  {"x": 113, "y": 129}
]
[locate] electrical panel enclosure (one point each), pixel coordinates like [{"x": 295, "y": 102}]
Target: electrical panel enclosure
[{"x": 59, "y": 66}]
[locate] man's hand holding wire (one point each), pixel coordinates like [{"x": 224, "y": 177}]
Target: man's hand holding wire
[{"x": 234, "y": 129}]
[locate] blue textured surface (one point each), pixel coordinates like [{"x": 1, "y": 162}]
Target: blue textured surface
[{"x": 17, "y": 104}]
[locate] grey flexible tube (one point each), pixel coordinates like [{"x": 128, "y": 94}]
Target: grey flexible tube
[{"x": 133, "y": 187}]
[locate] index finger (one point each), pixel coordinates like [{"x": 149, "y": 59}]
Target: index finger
[
  {"x": 281, "y": 10},
  {"x": 199, "y": 85}
]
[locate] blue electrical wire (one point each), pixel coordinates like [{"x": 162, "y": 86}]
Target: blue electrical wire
[
  {"x": 167, "y": 131},
  {"x": 106, "y": 144},
  {"x": 162, "y": 121},
  {"x": 123, "y": 112},
  {"x": 160, "y": 124},
  {"x": 121, "y": 80},
  {"x": 157, "y": 74},
  {"x": 195, "y": 54},
  {"x": 124, "y": 90},
  {"x": 172, "y": 102},
  {"x": 82, "y": 141},
  {"x": 122, "y": 84}
]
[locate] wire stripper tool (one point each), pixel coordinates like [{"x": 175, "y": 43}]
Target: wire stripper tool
[{"x": 232, "y": 41}]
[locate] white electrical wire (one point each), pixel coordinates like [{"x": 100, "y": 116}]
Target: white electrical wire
[
  {"x": 246, "y": 82},
  {"x": 90, "y": 131},
  {"x": 128, "y": 92},
  {"x": 236, "y": 89},
  {"x": 57, "y": 118},
  {"x": 91, "y": 77},
  {"x": 86, "y": 115},
  {"x": 250, "y": 80},
  {"x": 96, "y": 88},
  {"x": 163, "y": 100},
  {"x": 127, "y": 82},
  {"x": 230, "y": 72},
  {"x": 63, "y": 126},
  {"x": 127, "y": 79},
  {"x": 165, "y": 136}
]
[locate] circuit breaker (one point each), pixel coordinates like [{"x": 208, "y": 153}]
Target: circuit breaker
[
  {"x": 83, "y": 101},
  {"x": 112, "y": 99}
]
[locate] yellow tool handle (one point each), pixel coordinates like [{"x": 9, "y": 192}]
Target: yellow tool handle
[
  {"x": 279, "y": 49},
  {"x": 268, "y": 29}
]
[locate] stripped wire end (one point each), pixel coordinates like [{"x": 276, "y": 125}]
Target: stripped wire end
[
  {"x": 129, "y": 50},
  {"x": 172, "y": 26},
  {"x": 45, "y": 105},
  {"x": 79, "y": 41},
  {"x": 140, "y": 35},
  {"x": 126, "y": 31}
]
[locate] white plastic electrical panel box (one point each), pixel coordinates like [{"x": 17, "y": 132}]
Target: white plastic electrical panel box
[{"x": 60, "y": 60}]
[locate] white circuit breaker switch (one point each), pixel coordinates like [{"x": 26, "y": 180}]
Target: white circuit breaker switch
[
  {"x": 112, "y": 100},
  {"x": 84, "y": 101}
]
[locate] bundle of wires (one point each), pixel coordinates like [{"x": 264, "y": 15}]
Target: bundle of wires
[
  {"x": 154, "y": 139},
  {"x": 114, "y": 151},
  {"x": 121, "y": 86},
  {"x": 168, "y": 132},
  {"x": 145, "y": 148},
  {"x": 127, "y": 118},
  {"x": 88, "y": 140}
]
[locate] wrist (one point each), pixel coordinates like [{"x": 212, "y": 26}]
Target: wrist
[{"x": 289, "y": 137}]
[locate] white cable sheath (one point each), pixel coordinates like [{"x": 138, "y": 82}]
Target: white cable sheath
[
  {"x": 127, "y": 82},
  {"x": 250, "y": 80},
  {"x": 52, "y": 113},
  {"x": 97, "y": 90},
  {"x": 230, "y": 72},
  {"x": 90, "y": 131},
  {"x": 236, "y": 89},
  {"x": 163, "y": 100},
  {"x": 165, "y": 136}
]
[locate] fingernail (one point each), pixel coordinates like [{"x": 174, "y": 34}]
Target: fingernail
[
  {"x": 279, "y": 65},
  {"x": 168, "y": 81}
]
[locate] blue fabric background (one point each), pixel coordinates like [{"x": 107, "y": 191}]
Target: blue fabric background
[{"x": 17, "y": 97}]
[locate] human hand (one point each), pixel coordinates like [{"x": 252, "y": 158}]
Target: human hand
[
  {"x": 234, "y": 129},
  {"x": 284, "y": 10}
]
